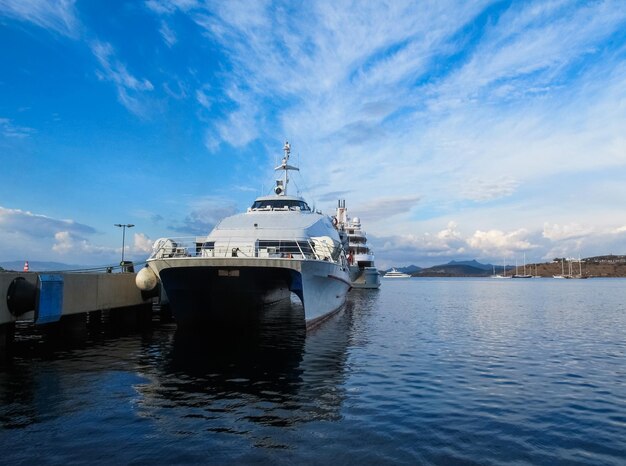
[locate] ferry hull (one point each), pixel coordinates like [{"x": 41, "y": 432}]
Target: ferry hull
[
  {"x": 324, "y": 289},
  {"x": 201, "y": 294},
  {"x": 206, "y": 290}
]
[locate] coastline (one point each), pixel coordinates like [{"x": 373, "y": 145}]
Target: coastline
[{"x": 544, "y": 270}]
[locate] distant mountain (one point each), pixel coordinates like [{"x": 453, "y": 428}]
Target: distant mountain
[
  {"x": 472, "y": 263},
  {"x": 408, "y": 269},
  {"x": 453, "y": 270},
  {"x": 40, "y": 266},
  {"x": 599, "y": 266}
]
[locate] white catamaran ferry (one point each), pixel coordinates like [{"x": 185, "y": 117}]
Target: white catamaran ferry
[{"x": 254, "y": 258}]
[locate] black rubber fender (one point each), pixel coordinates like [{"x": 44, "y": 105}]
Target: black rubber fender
[
  {"x": 21, "y": 296},
  {"x": 153, "y": 293}
]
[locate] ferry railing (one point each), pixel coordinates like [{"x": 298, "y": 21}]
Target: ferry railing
[{"x": 307, "y": 249}]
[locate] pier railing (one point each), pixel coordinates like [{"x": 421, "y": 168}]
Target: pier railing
[{"x": 319, "y": 248}]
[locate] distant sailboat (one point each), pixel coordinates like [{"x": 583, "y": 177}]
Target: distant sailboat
[
  {"x": 525, "y": 275},
  {"x": 504, "y": 275},
  {"x": 536, "y": 274},
  {"x": 562, "y": 270},
  {"x": 580, "y": 270}
]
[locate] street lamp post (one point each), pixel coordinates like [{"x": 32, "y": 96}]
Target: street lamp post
[{"x": 123, "y": 226}]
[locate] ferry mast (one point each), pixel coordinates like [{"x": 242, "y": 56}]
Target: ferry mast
[{"x": 281, "y": 185}]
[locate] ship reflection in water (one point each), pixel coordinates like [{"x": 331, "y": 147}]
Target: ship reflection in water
[{"x": 230, "y": 388}]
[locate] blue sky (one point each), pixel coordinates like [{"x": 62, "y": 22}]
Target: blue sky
[{"x": 455, "y": 130}]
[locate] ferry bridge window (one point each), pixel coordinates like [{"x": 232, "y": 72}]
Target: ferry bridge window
[{"x": 280, "y": 204}]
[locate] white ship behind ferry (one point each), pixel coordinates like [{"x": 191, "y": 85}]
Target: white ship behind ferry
[
  {"x": 394, "y": 273},
  {"x": 363, "y": 272},
  {"x": 252, "y": 259}
]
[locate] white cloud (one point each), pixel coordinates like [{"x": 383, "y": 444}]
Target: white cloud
[
  {"x": 245, "y": 189},
  {"x": 239, "y": 129},
  {"x": 326, "y": 50},
  {"x": 446, "y": 243},
  {"x": 142, "y": 243},
  {"x": 384, "y": 208},
  {"x": 115, "y": 71},
  {"x": 70, "y": 243},
  {"x": 10, "y": 130},
  {"x": 556, "y": 232},
  {"x": 417, "y": 113},
  {"x": 486, "y": 190},
  {"x": 573, "y": 240},
  {"x": 531, "y": 46},
  {"x": 169, "y": 36},
  {"x": 56, "y": 15},
  {"x": 203, "y": 96},
  {"x": 37, "y": 225},
  {"x": 204, "y": 214},
  {"x": 64, "y": 242},
  {"x": 129, "y": 88},
  {"x": 170, "y": 6},
  {"x": 451, "y": 242},
  {"x": 495, "y": 245},
  {"x": 26, "y": 234},
  {"x": 499, "y": 243},
  {"x": 328, "y": 62},
  {"x": 61, "y": 16}
]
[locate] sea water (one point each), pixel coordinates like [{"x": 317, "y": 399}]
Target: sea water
[{"x": 422, "y": 371}]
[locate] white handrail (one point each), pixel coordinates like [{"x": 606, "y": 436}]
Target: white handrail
[{"x": 244, "y": 247}]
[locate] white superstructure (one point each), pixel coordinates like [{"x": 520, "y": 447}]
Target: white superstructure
[
  {"x": 363, "y": 272},
  {"x": 254, "y": 258}
]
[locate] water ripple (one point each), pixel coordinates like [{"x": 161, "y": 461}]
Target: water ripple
[{"x": 428, "y": 371}]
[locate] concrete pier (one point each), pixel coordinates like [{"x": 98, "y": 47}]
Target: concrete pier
[{"x": 62, "y": 301}]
